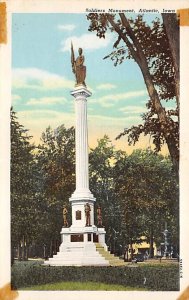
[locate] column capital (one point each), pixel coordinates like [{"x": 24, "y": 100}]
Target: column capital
[
  {"x": 84, "y": 197},
  {"x": 80, "y": 92}
]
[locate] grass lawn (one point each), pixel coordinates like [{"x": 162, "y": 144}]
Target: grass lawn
[{"x": 81, "y": 286}]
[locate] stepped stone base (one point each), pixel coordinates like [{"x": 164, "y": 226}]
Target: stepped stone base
[
  {"x": 78, "y": 254},
  {"x": 113, "y": 260},
  {"x": 85, "y": 252}
]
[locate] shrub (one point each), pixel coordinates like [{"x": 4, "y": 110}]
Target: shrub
[{"x": 157, "y": 278}]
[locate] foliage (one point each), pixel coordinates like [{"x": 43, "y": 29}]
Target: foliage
[
  {"x": 148, "y": 191},
  {"x": 150, "y": 47},
  {"x": 138, "y": 193},
  {"x": 55, "y": 159},
  {"x": 25, "y": 203},
  {"x": 102, "y": 159},
  {"x": 158, "y": 277},
  {"x": 42, "y": 180}
]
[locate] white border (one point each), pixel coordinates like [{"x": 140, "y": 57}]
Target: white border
[{"x": 66, "y": 6}]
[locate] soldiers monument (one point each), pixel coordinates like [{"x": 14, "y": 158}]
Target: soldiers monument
[{"x": 80, "y": 243}]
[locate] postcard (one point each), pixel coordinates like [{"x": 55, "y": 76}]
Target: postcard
[{"x": 94, "y": 149}]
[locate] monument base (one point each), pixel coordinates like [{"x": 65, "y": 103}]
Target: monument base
[{"x": 78, "y": 247}]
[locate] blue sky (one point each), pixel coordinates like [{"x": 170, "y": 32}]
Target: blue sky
[{"x": 43, "y": 79}]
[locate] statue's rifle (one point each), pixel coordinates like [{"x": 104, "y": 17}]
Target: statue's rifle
[{"x": 72, "y": 58}]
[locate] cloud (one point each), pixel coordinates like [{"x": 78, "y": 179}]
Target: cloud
[
  {"x": 107, "y": 104},
  {"x": 123, "y": 96},
  {"x": 67, "y": 27},
  {"x": 46, "y": 101},
  {"x": 38, "y": 120},
  {"x": 112, "y": 121},
  {"x": 133, "y": 109},
  {"x": 33, "y": 78},
  {"x": 99, "y": 125},
  {"x": 15, "y": 98},
  {"x": 44, "y": 115},
  {"x": 106, "y": 86},
  {"x": 86, "y": 41},
  {"x": 111, "y": 99}
]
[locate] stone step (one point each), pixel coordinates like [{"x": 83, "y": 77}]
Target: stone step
[
  {"x": 77, "y": 252},
  {"x": 87, "y": 257},
  {"x": 73, "y": 254},
  {"x": 113, "y": 260},
  {"x": 79, "y": 264},
  {"x": 73, "y": 260},
  {"x": 76, "y": 258},
  {"x": 86, "y": 260}
]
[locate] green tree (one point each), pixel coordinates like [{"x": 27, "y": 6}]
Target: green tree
[
  {"x": 138, "y": 193},
  {"x": 149, "y": 46},
  {"x": 24, "y": 200},
  {"x": 42, "y": 180},
  {"x": 148, "y": 192},
  {"x": 128, "y": 190},
  {"x": 56, "y": 163},
  {"x": 101, "y": 161}
]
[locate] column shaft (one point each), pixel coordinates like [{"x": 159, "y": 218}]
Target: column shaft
[{"x": 82, "y": 174}]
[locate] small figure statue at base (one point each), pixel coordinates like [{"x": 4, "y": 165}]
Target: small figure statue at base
[
  {"x": 99, "y": 216},
  {"x": 65, "y": 213},
  {"x": 87, "y": 214},
  {"x": 77, "y": 67}
]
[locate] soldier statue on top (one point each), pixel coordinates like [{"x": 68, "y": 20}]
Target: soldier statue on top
[{"x": 77, "y": 67}]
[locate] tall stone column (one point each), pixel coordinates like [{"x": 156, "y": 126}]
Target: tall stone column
[
  {"x": 78, "y": 241},
  {"x": 82, "y": 194}
]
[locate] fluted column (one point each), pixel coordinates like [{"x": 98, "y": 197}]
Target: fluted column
[
  {"x": 82, "y": 174},
  {"x": 81, "y": 144}
]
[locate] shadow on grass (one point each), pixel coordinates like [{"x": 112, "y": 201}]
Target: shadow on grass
[{"x": 81, "y": 286}]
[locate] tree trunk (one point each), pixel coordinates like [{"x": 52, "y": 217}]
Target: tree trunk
[
  {"x": 171, "y": 25},
  {"x": 51, "y": 249},
  {"x": 126, "y": 255},
  {"x": 151, "y": 250},
  {"x": 26, "y": 250},
  {"x": 55, "y": 246},
  {"x": 170, "y": 140},
  {"x": 174, "y": 153},
  {"x": 131, "y": 247},
  {"x": 19, "y": 251},
  {"x": 23, "y": 248},
  {"x": 12, "y": 253}
]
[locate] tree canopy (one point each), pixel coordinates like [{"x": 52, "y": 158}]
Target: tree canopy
[
  {"x": 55, "y": 159},
  {"x": 25, "y": 205},
  {"x": 150, "y": 47},
  {"x": 42, "y": 180},
  {"x": 148, "y": 193},
  {"x": 137, "y": 193}
]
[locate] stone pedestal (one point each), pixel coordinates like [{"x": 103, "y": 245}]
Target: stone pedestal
[
  {"x": 79, "y": 241},
  {"x": 78, "y": 247}
]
